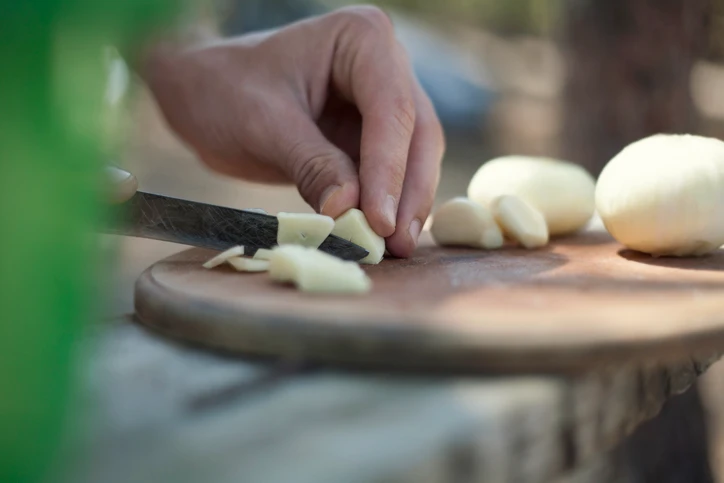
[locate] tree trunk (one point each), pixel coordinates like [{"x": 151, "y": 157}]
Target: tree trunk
[{"x": 629, "y": 64}]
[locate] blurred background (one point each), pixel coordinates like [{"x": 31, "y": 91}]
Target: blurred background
[{"x": 576, "y": 79}]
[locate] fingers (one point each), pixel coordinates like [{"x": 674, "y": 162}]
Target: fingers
[
  {"x": 325, "y": 176},
  {"x": 371, "y": 70},
  {"x": 423, "y": 173}
]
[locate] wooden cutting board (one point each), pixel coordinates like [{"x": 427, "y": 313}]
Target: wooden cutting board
[{"x": 582, "y": 300}]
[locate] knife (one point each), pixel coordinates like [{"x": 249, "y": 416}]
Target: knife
[{"x": 148, "y": 215}]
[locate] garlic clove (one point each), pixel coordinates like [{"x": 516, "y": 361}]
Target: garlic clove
[
  {"x": 305, "y": 229},
  {"x": 520, "y": 221},
  {"x": 353, "y": 226},
  {"x": 224, "y": 256},
  {"x": 317, "y": 272},
  {"x": 463, "y": 222},
  {"x": 241, "y": 264}
]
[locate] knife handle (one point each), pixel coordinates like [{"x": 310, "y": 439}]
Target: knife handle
[{"x": 123, "y": 185}]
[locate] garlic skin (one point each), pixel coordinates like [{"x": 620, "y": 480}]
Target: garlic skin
[
  {"x": 664, "y": 195},
  {"x": 563, "y": 192}
]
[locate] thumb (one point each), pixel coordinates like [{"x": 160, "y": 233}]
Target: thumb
[{"x": 325, "y": 176}]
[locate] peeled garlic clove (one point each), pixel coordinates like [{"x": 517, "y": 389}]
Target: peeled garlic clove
[
  {"x": 224, "y": 256},
  {"x": 304, "y": 229},
  {"x": 563, "y": 192},
  {"x": 284, "y": 262},
  {"x": 520, "y": 221},
  {"x": 263, "y": 254},
  {"x": 317, "y": 272},
  {"x": 353, "y": 226},
  {"x": 664, "y": 195},
  {"x": 463, "y": 222},
  {"x": 241, "y": 264}
]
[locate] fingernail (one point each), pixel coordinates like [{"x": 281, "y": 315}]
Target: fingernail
[
  {"x": 391, "y": 210},
  {"x": 327, "y": 196},
  {"x": 117, "y": 175},
  {"x": 415, "y": 228}
]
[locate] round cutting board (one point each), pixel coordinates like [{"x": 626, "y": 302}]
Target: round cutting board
[{"x": 582, "y": 300}]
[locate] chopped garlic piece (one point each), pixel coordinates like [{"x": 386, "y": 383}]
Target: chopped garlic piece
[
  {"x": 353, "y": 226},
  {"x": 224, "y": 256},
  {"x": 263, "y": 254},
  {"x": 241, "y": 264},
  {"x": 520, "y": 221},
  {"x": 314, "y": 271},
  {"x": 304, "y": 229}
]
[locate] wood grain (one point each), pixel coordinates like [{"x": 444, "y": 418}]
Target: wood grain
[{"x": 581, "y": 301}]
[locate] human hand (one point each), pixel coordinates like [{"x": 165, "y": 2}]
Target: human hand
[{"x": 330, "y": 103}]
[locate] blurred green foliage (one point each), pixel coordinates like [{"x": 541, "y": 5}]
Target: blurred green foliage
[{"x": 51, "y": 144}]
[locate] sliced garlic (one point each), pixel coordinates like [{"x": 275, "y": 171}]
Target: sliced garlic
[
  {"x": 353, "y": 226},
  {"x": 242, "y": 264},
  {"x": 314, "y": 271},
  {"x": 664, "y": 195},
  {"x": 463, "y": 222},
  {"x": 263, "y": 254},
  {"x": 520, "y": 221},
  {"x": 305, "y": 229},
  {"x": 563, "y": 192},
  {"x": 224, "y": 256}
]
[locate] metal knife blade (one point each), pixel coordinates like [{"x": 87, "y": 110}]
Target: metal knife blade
[{"x": 159, "y": 217}]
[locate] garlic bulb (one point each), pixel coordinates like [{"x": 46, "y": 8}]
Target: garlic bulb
[
  {"x": 664, "y": 195},
  {"x": 563, "y": 192}
]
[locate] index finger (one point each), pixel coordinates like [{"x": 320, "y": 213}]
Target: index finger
[{"x": 372, "y": 70}]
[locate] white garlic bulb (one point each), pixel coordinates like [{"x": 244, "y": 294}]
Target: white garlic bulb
[
  {"x": 664, "y": 195},
  {"x": 563, "y": 192}
]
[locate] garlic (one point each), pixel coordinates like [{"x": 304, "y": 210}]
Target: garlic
[
  {"x": 353, "y": 226},
  {"x": 520, "y": 221},
  {"x": 224, "y": 256},
  {"x": 263, "y": 254},
  {"x": 563, "y": 192},
  {"x": 314, "y": 271},
  {"x": 463, "y": 222},
  {"x": 305, "y": 229},
  {"x": 242, "y": 264},
  {"x": 664, "y": 195}
]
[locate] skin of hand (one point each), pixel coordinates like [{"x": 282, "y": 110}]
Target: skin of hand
[{"x": 329, "y": 103}]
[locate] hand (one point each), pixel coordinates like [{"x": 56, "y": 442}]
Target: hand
[{"x": 330, "y": 103}]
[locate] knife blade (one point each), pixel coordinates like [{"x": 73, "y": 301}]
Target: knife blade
[{"x": 148, "y": 215}]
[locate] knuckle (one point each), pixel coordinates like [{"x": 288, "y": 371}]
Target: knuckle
[
  {"x": 311, "y": 170},
  {"x": 437, "y": 135},
  {"x": 396, "y": 174},
  {"x": 404, "y": 114},
  {"x": 368, "y": 18}
]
